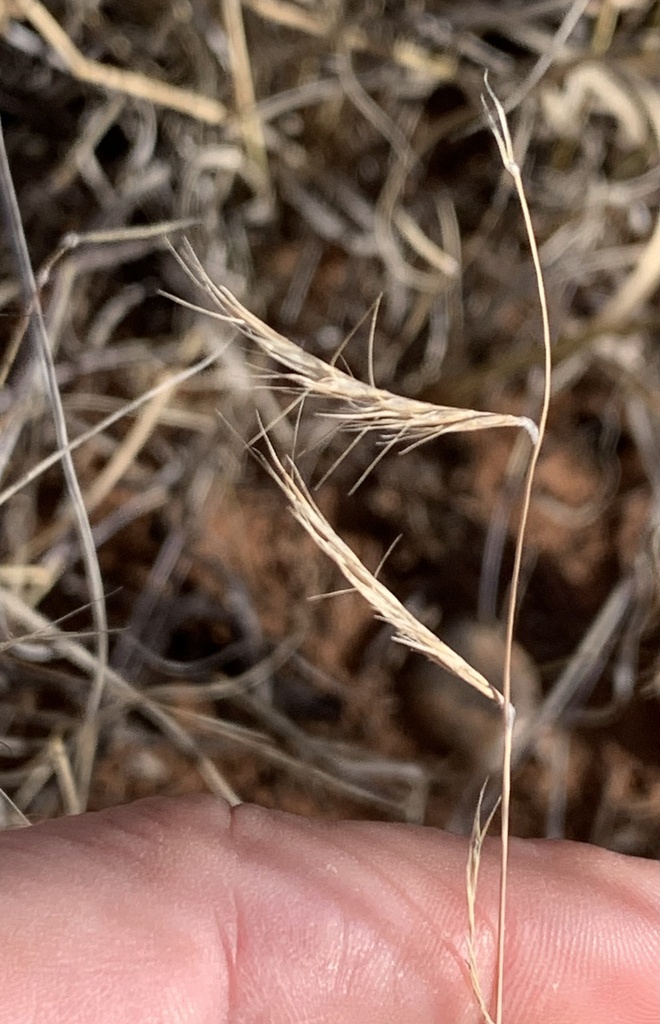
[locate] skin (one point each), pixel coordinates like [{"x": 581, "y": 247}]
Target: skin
[{"x": 187, "y": 911}]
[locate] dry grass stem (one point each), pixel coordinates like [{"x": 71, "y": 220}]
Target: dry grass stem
[
  {"x": 643, "y": 280},
  {"x": 246, "y": 105},
  {"x": 120, "y": 463},
  {"x": 128, "y": 409},
  {"x": 130, "y": 83},
  {"x": 479, "y": 833},
  {"x": 500, "y": 129},
  {"x": 120, "y": 688},
  {"x": 353, "y": 38},
  {"x": 41, "y": 354}
]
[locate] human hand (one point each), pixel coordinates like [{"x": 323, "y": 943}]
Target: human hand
[{"x": 186, "y": 911}]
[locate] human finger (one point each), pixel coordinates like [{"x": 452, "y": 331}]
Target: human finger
[{"x": 185, "y": 910}]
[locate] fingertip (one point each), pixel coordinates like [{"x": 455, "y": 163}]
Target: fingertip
[{"x": 200, "y": 911}]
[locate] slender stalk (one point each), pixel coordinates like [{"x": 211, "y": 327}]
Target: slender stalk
[
  {"x": 87, "y": 736},
  {"x": 500, "y": 129}
]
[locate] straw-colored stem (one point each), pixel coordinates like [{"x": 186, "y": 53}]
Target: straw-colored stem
[{"x": 503, "y": 138}]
